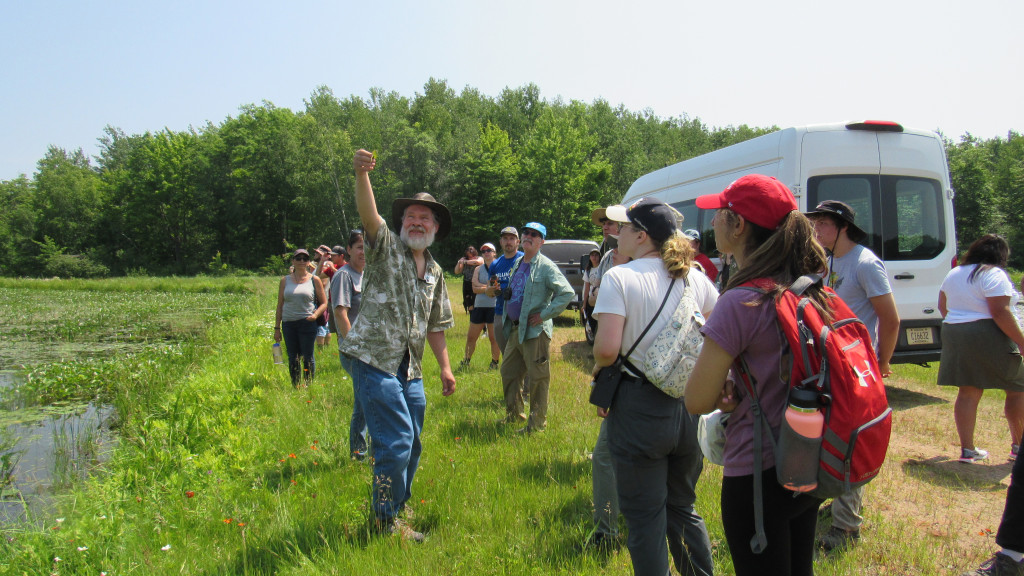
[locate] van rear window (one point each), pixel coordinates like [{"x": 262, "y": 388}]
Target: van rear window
[{"x": 902, "y": 215}]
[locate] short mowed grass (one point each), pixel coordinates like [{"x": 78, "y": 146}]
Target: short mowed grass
[{"x": 223, "y": 468}]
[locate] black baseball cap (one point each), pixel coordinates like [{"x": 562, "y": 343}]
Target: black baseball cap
[{"x": 651, "y": 215}]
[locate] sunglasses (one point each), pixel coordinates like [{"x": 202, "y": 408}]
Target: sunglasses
[
  {"x": 529, "y": 232},
  {"x": 486, "y": 250},
  {"x": 301, "y": 259},
  {"x": 636, "y": 227}
]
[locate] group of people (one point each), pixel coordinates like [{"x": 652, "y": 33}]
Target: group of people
[{"x": 647, "y": 460}]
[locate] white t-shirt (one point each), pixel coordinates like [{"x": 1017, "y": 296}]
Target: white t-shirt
[
  {"x": 966, "y": 300},
  {"x": 635, "y": 291}
]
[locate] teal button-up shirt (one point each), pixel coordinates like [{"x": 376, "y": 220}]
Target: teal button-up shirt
[{"x": 547, "y": 292}]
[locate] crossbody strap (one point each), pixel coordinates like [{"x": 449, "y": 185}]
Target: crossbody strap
[{"x": 625, "y": 359}]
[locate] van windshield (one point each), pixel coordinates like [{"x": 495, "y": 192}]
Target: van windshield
[{"x": 902, "y": 215}]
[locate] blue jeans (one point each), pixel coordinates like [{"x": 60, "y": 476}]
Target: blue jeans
[
  {"x": 299, "y": 340},
  {"x": 394, "y": 409},
  {"x": 357, "y": 426}
]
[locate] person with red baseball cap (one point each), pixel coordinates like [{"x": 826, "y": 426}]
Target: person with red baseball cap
[{"x": 758, "y": 222}]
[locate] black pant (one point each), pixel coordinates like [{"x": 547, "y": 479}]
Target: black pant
[
  {"x": 1011, "y": 529},
  {"x": 299, "y": 338},
  {"x": 789, "y": 524}
]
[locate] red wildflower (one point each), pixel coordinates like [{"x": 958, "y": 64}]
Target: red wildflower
[{"x": 189, "y": 494}]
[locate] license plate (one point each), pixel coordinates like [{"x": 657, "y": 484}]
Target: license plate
[{"x": 919, "y": 336}]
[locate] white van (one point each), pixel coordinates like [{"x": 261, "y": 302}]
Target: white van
[{"x": 895, "y": 178}]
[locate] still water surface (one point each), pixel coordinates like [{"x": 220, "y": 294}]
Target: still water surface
[{"x": 43, "y": 448}]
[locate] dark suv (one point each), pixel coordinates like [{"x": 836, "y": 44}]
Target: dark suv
[{"x": 568, "y": 255}]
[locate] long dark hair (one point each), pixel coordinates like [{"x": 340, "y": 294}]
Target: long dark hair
[
  {"x": 991, "y": 250},
  {"x": 783, "y": 255}
]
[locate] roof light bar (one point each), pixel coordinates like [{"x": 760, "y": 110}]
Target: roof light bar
[{"x": 875, "y": 126}]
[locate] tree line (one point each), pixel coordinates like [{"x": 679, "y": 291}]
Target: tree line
[{"x": 240, "y": 195}]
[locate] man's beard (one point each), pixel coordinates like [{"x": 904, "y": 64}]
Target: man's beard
[{"x": 418, "y": 243}]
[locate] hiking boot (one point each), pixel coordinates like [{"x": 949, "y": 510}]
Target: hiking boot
[
  {"x": 604, "y": 542},
  {"x": 998, "y": 565},
  {"x": 511, "y": 420},
  {"x": 493, "y": 366},
  {"x": 407, "y": 513},
  {"x": 463, "y": 365},
  {"x": 837, "y": 539},
  {"x": 1014, "y": 449},
  {"x": 969, "y": 456},
  {"x": 398, "y": 527}
]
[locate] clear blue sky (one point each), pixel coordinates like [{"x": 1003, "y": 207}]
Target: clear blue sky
[{"x": 71, "y": 68}]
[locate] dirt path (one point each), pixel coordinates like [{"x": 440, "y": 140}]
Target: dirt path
[{"x": 948, "y": 509}]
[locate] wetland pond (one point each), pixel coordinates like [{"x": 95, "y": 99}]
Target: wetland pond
[
  {"x": 60, "y": 348},
  {"x": 43, "y": 448}
]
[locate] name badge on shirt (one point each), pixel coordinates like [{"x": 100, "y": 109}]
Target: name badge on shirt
[{"x": 429, "y": 278}]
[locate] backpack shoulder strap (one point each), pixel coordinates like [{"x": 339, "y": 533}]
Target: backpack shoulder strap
[{"x": 759, "y": 541}]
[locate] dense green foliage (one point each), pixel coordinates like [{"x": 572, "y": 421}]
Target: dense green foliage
[
  {"x": 239, "y": 195},
  {"x": 988, "y": 176}
]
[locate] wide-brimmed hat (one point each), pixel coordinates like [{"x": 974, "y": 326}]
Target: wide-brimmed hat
[
  {"x": 444, "y": 217},
  {"x": 842, "y": 211},
  {"x": 760, "y": 199},
  {"x": 598, "y": 216},
  {"x": 651, "y": 215}
]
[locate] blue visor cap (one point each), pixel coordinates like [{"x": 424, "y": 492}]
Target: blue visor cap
[{"x": 538, "y": 227}]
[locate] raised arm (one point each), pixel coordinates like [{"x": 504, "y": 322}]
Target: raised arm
[{"x": 364, "y": 162}]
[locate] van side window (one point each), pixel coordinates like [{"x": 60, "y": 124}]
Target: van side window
[
  {"x": 699, "y": 220},
  {"x": 902, "y": 215},
  {"x": 860, "y": 191}
]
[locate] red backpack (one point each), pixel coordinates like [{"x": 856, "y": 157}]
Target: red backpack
[{"x": 838, "y": 361}]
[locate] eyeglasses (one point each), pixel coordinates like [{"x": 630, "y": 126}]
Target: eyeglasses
[
  {"x": 529, "y": 232},
  {"x": 634, "y": 226}
]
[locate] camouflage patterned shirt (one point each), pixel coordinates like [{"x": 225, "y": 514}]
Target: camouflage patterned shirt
[{"x": 398, "y": 308}]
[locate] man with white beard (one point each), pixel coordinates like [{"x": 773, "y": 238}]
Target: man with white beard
[{"x": 404, "y": 305}]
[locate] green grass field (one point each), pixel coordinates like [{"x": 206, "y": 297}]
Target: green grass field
[{"x": 223, "y": 468}]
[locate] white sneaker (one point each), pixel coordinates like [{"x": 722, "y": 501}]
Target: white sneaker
[{"x": 969, "y": 456}]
